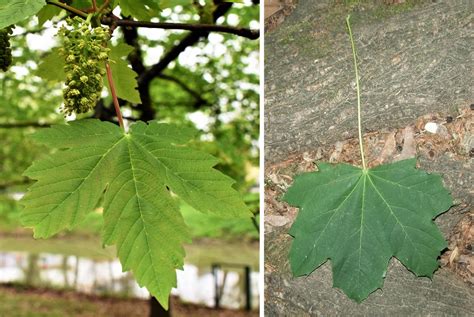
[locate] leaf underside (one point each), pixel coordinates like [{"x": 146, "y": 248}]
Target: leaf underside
[
  {"x": 360, "y": 219},
  {"x": 135, "y": 170}
]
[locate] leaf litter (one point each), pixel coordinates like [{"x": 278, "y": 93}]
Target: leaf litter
[{"x": 387, "y": 146}]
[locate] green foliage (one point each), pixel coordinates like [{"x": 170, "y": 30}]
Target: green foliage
[
  {"x": 16, "y": 154},
  {"x": 52, "y": 67},
  {"x": 14, "y": 11},
  {"x": 208, "y": 225},
  {"x": 143, "y": 10},
  {"x": 83, "y": 51},
  {"x": 172, "y": 3},
  {"x": 360, "y": 219},
  {"x": 47, "y": 13},
  {"x": 5, "y": 50},
  {"x": 206, "y": 11},
  {"x": 208, "y": 83},
  {"x": 137, "y": 171},
  {"x": 9, "y": 211},
  {"x": 124, "y": 77}
]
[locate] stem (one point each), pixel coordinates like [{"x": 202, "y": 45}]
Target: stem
[
  {"x": 105, "y": 5},
  {"x": 244, "y": 32},
  {"x": 89, "y": 18},
  {"x": 247, "y": 33},
  {"x": 255, "y": 223},
  {"x": 68, "y": 8},
  {"x": 361, "y": 145},
  {"x": 94, "y": 5},
  {"x": 114, "y": 95}
]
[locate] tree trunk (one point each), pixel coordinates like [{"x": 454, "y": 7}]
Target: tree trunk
[
  {"x": 156, "y": 310},
  {"x": 411, "y": 63}
]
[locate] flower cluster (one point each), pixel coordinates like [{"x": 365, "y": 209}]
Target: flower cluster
[
  {"x": 84, "y": 50},
  {"x": 5, "y": 50}
]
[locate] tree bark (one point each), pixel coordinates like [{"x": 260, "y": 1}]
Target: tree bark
[
  {"x": 403, "y": 294},
  {"x": 411, "y": 63}
]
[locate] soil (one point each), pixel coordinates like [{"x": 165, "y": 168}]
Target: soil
[
  {"x": 101, "y": 306},
  {"x": 414, "y": 58}
]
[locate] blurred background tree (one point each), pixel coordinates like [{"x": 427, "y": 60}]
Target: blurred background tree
[{"x": 204, "y": 80}]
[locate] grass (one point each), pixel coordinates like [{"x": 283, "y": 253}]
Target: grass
[
  {"x": 23, "y": 302},
  {"x": 17, "y": 302}
]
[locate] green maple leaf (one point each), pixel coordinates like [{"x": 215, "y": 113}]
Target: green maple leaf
[
  {"x": 125, "y": 78},
  {"x": 360, "y": 218},
  {"x": 14, "y": 11},
  {"x": 135, "y": 170}
]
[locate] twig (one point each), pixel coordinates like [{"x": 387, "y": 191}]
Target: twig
[
  {"x": 112, "y": 20},
  {"x": 255, "y": 223},
  {"x": 247, "y": 33},
  {"x": 192, "y": 38},
  {"x": 66, "y": 7},
  {"x": 114, "y": 95},
  {"x": 105, "y": 5}
]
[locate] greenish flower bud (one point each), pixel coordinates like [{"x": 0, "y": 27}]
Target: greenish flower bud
[
  {"x": 103, "y": 56},
  {"x": 85, "y": 47}
]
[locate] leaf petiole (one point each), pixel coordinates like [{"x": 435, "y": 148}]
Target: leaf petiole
[
  {"x": 114, "y": 95},
  {"x": 68, "y": 8},
  {"x": 359, "y": 120}
]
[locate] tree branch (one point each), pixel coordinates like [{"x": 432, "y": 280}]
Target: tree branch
[
  {"x": 189, "y": 40},
  {"x": 114, "y": 21},
  {"x": 66, "y": 7},
  {"x": 244, "y": 32},
  {"x": 136, "y": 60},
  {"x": 185, "y": 87}
]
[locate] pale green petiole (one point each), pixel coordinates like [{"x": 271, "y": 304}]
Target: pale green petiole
[{"x": 358, "y": 93}]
